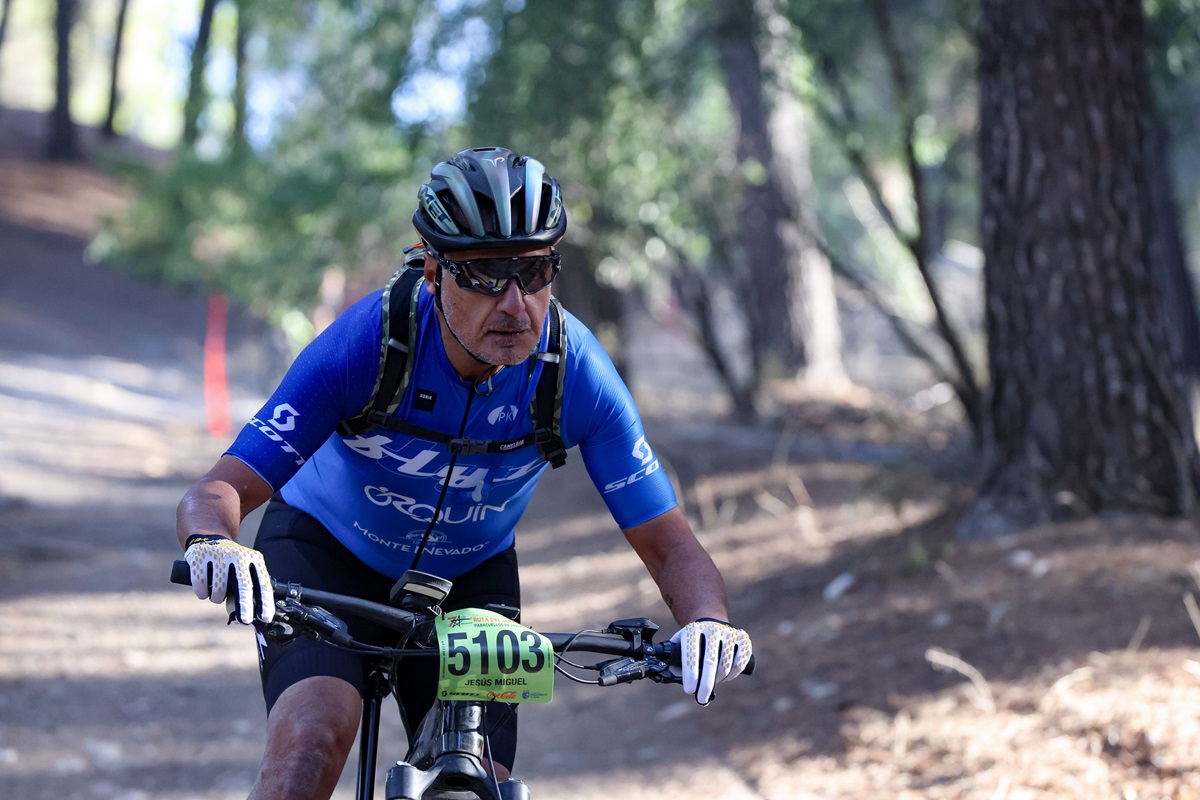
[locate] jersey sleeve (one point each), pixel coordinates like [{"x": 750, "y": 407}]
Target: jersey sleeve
[
  {"x": 330, "y": 380},
  {"x": 600, "y": 416}
]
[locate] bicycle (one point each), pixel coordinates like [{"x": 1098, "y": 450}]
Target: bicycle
[{"x": 480, "y": 655}]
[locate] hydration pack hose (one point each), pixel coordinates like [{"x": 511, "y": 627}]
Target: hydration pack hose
[{"x": 437, "y": 509}]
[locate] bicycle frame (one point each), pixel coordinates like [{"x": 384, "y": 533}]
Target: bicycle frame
[
  {"x": 447, "y": 752},
  {"x": 447, "y": 756}
]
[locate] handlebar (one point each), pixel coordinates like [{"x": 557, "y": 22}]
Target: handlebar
[{"x": 309, "y": 606}]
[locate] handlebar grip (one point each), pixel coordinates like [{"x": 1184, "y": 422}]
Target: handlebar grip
[{"x": 181, "y": 573}]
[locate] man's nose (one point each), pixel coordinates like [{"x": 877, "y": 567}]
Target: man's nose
[{"x": 512, "y": 299}]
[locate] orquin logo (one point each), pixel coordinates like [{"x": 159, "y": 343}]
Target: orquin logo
[{"x": 423, "y": 512}]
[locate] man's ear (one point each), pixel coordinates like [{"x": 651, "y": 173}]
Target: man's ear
[{"x": 431, "y": 267}]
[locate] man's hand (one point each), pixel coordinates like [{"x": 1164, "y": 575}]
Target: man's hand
[
  {"x": 711, "y": 651},
  {"x": 217, "y": 563}
]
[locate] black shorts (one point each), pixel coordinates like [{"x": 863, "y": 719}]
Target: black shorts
[{"x": 300, "y": 549}]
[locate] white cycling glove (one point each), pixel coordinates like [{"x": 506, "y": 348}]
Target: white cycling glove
[
  {"x": 711, "y": 651},
  {"x": 217, "y": 563}
]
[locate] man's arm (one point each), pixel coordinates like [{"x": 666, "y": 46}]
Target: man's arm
[
  {"x": 207, "y": 522},
  {"x": 686, "y": 576},
  {"x": 711, "y": 651},
  {"x": 217, "y": 503}
]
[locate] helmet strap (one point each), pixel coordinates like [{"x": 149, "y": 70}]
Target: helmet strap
[{"x": 437, "y": 295}]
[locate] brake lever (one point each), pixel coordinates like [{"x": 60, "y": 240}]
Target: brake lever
[
  {"x": 321, "y": 621},
  {"x": 280, "y": 631},
  {"x": 622, "y": 670},
  {"x": 629, "y": 669}
]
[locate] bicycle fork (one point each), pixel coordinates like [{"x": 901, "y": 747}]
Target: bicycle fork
[{"x": 446, "y": 757}]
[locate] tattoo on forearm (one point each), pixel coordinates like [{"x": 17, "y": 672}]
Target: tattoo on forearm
[{"x": 670, "y": 601}]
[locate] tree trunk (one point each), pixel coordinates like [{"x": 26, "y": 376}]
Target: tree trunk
[
  {"x": 62, "y": 143},
  {"x": 596, "y": 305},
  {"x": 197, "y": 94},
  {"x": 114, "y": 82},
  {"x": 1087, "y": 408},
  {"x": 793, "y": 322},
  {"x": 774, "y": 347},
  {"x": 4, "y": 15},
  {"x": 818, "y": 333},
  {"x": 1167, "y": 250},
  {"x": 238, "y": 145}
]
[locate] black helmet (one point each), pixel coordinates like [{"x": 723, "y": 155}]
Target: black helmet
[{"x": 490, "y": 197}]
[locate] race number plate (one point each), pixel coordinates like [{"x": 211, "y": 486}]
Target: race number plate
[{"x": 486, "y": 656}]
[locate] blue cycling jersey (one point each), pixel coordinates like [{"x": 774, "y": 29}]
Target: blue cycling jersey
[{"x": 377, "y": 491}]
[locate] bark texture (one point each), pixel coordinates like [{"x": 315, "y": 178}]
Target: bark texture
[
  {"x": 794, "y": 328},
  {"x": 1087, "y": 409}
]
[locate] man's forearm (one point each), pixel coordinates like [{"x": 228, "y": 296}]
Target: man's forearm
[
  {"x": 690, "y": 583},
  {"x": 692, "y": 587},
  {"x": 218, "y": 502},
  {"x": 208, "y": 507}
]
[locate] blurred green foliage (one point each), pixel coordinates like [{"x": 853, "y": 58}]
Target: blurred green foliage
[{"x": 626, "y": 103}]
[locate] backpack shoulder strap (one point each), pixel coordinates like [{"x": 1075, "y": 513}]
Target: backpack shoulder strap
[
  {"x": 546, "y": 408},
  {"x": 400, "y": 298},
  {"x": 399, "y": 324}
]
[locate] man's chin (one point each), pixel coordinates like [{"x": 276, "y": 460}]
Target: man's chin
[
  {"x": 510, "y": 351},
  {"x": 510, "y": 356}
]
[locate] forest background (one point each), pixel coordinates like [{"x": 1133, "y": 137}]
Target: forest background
[{"x": 964, "y": 224}]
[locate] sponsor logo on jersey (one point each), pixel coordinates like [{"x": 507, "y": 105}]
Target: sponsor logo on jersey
[
  {"x": 649, "y": 466},
  {"x": 425, "y": 399},
  {"x": 433, "y": 464},
  {"x": 641, "y": 451},
  {"x": 423, "y": 512},
  {"x": 433, "y": 547},
  {"x": 502, "y": 414},
  {"x": 283, "y": 418}
]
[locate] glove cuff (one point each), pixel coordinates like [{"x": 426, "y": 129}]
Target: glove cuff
[
  {"x": 714, "y": 619},
  {"x": 203, "y": 537}
]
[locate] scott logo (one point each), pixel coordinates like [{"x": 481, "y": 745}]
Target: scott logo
[
  {"x": 642, "y": 452},
  {"x": 650, "y": 465},
  {"x": 502, "y": 414},
  {"x": 270, "y": 432},
  {"x": 283, "y": 418}
]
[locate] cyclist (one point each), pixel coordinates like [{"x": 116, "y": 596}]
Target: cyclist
[{"x": 350, "y": 512}]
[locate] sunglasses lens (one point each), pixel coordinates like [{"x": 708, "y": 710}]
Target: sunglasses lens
[{"x": 490, "y": 276}]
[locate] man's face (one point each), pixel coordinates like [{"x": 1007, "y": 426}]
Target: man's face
[{"x": 500, "y": 331}]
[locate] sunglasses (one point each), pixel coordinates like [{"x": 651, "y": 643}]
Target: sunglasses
[{"x": 490, "y": 276}]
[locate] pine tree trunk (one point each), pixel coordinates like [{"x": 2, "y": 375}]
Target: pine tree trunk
[
  {"x": 239, "y": 147},
  {"x": 5, "y": 8},
  {"x": 794, "y": 327},
  {"x": 818, "y": 333},
  {"x": 774, "y": 351},
  {"x": 114, "y": 83},
  {"x": 1087, "y": 409},
  {"x": 197, "y": 95},
  {"x": 62, "y": 143}
]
